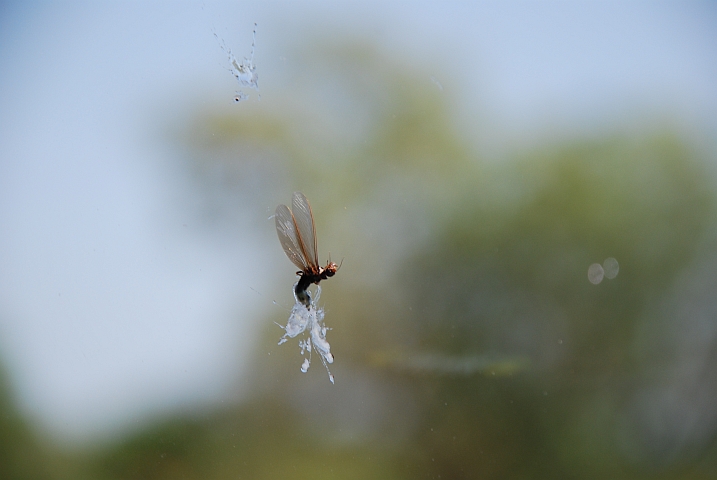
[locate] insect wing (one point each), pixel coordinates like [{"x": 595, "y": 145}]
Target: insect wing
[
  {"x": 305, "y": 228},
  {"x": 286, "y": 230}
]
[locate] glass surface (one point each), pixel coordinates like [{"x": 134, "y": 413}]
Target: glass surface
[{"x": 520, "y": 198}]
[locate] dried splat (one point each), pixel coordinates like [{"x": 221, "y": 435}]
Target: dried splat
[
  {"x": 310, "y": 322},
  {"x": 240, "y": 96},
  {"x": 244, "y": 71}
]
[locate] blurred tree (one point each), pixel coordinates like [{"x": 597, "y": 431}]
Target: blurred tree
[
  {"x": 21, "y": 454},
  {"x": 456, "y": 268},
  {"x": 511, "y": 278}
]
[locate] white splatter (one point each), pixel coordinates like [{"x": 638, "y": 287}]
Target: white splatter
[
  {"x": 310, "y": 321},
  {"x": 244, "y": 71}
]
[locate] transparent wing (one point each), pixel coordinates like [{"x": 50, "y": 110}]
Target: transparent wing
[
  {"x": 305, "y": 227},
  {"x": 286, "y": 230}
]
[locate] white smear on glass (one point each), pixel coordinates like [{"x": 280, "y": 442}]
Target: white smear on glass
[
  {"x": 438, "y": 84},
  {"x": 240, "y": 96},
  {"x": 303, "y": 320}
]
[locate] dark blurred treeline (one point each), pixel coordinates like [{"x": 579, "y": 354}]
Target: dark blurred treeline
[{"x": 469, "y": 342}]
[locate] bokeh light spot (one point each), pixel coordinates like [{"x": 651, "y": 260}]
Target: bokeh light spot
[
  {"x": 611, "y": 267},
  {"x": 595, "y": 273}
]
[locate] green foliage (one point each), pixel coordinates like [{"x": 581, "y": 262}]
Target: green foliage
[{"x": 21, "y": 454}]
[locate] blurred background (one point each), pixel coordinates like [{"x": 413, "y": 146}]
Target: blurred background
[{"x": 469, "y": 163}]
